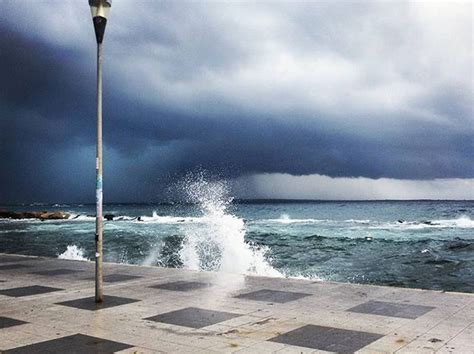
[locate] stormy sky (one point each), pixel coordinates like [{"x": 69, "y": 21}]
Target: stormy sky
[{"x": 324, "y": 100}]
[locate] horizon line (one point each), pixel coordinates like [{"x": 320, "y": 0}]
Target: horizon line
[{"x": 238, "y": 200}]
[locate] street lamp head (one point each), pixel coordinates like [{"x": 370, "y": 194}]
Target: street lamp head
[
  {"x": 100, "y": 10},
  {"x": 100, "y": 7}
]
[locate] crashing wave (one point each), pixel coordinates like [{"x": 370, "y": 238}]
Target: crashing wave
[
  {"x": 73, "y": 252},
  {"x": 215, "y": 241}
]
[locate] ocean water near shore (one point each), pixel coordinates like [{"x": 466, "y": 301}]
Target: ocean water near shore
[{"x": 420, "y": 244}]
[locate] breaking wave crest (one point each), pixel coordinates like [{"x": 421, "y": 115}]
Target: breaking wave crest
[
  {"x": 209, "y": 214},
  {"x": 155, "y": 218},
  {"x": 463, "y": 222},
  {"x": 73, "y": 252},
  {"x": 219, "y": 244}
]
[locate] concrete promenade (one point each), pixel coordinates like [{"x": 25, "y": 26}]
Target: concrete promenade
[{"x": 47, "y": 306}]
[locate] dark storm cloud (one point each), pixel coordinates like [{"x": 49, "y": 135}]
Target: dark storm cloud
[{"x": 242, "y": 89}]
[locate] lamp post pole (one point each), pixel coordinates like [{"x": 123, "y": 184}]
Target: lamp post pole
[
  {"x": 99, "y": 294},
  {"x": 99, "y": 9}
]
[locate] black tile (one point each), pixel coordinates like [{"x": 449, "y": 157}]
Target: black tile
[
  {"x": 9, "y": 322},
  {"x": 28, "y": 290},
  {"x": 327, "y": 338},
  {"x": 193, "y": 317},
  {"x": 115, "y": 278},
  {"x": 53, "y": 272},
  {"x": 391, "y": 309},
  {"x": 13, "y": 266},
  {"x": 272, "y": 296},
  {"x": 77, "y": 343},
  {"x": 89, "y": 303},
  {"x": 181, "y": 286}
]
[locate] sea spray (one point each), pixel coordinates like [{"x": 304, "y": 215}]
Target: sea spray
[
  {"x": 73, "y": 252},
  {"x": 218, "y": 244}
]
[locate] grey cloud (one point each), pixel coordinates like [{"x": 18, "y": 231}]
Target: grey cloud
[{"x": 344, "y": 90}]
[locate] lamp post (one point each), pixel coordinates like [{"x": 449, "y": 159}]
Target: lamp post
[{"x": 99, "y": 10}]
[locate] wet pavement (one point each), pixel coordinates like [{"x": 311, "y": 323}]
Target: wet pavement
[{"x": 47, "y": 305}]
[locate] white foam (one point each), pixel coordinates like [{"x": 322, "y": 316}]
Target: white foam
[
  {"x": 312, "y": 277},
  {"x": 124, "y": 218},
  {"x": 80, "y": 217},
  {"x": 73, "y": 252},
  {"x": 284, "y": 219},
  {"x": 356, "y": 221},
  {"x": 219, "y": 243},
  {"x": 155, "y": 218},
  {"x": 152, "y": 257},
  {"x": 462, "y": 222}
]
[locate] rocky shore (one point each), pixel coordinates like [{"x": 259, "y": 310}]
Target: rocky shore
[
  {"x": 46, "y": 215},
  {"x": 42, "y": 215}
]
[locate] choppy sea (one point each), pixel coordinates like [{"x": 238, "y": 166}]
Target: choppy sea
[{"x": 419, "y": 244}]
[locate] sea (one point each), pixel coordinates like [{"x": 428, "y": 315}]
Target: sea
[{"x": 417, "y": 244}]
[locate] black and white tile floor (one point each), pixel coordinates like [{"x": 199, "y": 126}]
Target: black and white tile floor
[{"x": 46, "y": 306}]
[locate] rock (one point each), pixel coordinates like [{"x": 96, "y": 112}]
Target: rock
[
  {"x": 109, "y": 217},
  {"x": 6, "y": 214},
  {"x": 42, "y": 215},
  {"x": 57, "y": 215}
]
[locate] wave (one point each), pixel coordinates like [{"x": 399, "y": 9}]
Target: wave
[
  {"x": 289, "y": 221},
  {"x": 218, "y": 244},
  {"x": 425, "y": 239},
  {"x": 73, "y": 252},
  {"x": 79, "y": 217},
  {"x": 310, "y": 221},
  {"x": 125, "y": 218},
  {"x": 155, "y": 218},
  {"x": 355, "y": 221},
  {"x": 463, "y": 222}
]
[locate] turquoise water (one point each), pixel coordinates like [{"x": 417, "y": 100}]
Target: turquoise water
[{"x": 422, "y": 244}]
